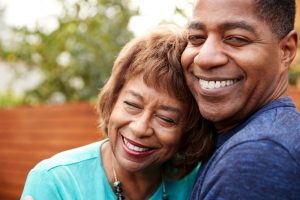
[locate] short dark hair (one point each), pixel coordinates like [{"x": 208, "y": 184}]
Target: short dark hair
[{"x": 279, "y": 14}]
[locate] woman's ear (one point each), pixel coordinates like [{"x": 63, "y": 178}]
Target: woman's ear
[{"x": 288, "y": 47}]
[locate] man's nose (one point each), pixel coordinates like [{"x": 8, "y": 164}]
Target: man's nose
[
  {"x": 141, "y": 125},
  {"x": 211, "y": 54}
]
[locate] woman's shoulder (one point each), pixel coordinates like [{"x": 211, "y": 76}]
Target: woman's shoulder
[
  {"x": 68, "y": 175},
  {"x": 71, "y": 157}
]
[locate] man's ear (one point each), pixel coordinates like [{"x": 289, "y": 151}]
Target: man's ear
[{"x": 288, "y": 47}]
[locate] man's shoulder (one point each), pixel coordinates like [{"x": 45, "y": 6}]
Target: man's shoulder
[
  {"x": 276, "y": 115},
  {"x": 263, "y": 154},
  {"x": 281, "y": 125},
  {"x": 261, "y": 166}
]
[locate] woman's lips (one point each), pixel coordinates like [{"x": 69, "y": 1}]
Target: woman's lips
[{"x": 136, "y": 149}]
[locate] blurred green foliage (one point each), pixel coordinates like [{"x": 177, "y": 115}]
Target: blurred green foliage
[
  {"x": 293, "y": 77},
  {"x": 76, "y": 58},
  {"x": 8, "y": 99}
]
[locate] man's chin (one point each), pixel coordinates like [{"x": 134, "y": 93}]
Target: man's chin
[{"x": 221, "y": 121}]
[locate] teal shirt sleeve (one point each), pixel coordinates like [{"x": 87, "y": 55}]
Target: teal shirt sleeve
[
  {"x": 39, "y": 185},
  {"x": 75, "y": 174}
]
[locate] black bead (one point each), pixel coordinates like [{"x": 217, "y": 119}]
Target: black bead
[
  {"x": 120, "y": 197},
  {"x": 118, "y": 190}
]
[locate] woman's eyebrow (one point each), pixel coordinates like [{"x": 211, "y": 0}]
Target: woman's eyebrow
[
  {"x": 170, "y": 108},
  {"x": 135, "y": 94}
]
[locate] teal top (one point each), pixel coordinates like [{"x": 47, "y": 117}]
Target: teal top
[{"x": 79, "y": 174}]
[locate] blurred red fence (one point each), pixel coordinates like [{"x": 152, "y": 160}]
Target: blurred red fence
[{"x": 30, "y": 134}]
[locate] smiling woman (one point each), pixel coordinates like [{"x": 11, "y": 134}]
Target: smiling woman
[
  {"x": 156, "y": 136},
  {"x": 145, "y": 127}
]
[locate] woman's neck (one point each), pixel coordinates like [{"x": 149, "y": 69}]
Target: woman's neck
[{"x": 135, "y": 185}]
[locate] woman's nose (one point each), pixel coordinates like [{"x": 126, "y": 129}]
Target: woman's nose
[
  {"x": 141, "y": 125},
  {"x": 211, "y": 54}
]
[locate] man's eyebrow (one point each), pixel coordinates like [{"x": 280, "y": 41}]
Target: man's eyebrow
[
  {"x": 237, "y": 25},
  {"x": 197, "y": 25}
]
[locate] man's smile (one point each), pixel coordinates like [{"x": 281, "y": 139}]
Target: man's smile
[{"x": 215, "y": 84}]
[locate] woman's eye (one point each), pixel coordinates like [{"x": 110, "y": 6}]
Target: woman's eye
[
  {"x": 237, "y": 41},
  {"x": 166, "y": 120},
  {"x": 132, "y": 105}
]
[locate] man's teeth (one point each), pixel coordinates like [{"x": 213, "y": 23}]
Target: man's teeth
[
  {"x": 216, "y": 84},
  {"x": 134, "y": 148}
]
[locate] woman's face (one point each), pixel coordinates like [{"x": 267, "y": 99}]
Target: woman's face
[{"x": 145, "y": 127}]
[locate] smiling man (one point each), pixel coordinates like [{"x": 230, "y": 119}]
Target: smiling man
[{"x": 236, "y": 65}]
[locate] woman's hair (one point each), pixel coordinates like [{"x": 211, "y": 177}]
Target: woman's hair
[{"x": 156, "y": 57}]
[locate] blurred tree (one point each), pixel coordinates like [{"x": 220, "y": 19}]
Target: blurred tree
[
  {"x": 76, "y": 58},
  {"x": 3, "y": 26}
]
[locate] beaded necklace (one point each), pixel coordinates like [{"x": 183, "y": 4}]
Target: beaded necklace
[{"x": 118, "y": 188}]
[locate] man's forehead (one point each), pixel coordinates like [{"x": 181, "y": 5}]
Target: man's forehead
[
  {"x": 224, "y": 14},
  {"x": 223, "y": 7}
]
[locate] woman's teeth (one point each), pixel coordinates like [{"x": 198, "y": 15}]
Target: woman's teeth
[{"x": 133, "y": 147}]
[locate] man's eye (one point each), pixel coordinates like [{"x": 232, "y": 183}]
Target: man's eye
[
  {"x": 196, "y": 39},
  {"x": 237, "y": 41}
]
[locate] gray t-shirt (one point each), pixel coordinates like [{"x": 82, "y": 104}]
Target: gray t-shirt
[{"x": 259, "y": 159}]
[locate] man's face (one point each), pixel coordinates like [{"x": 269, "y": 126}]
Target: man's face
[{"x": 232, "y": 61}]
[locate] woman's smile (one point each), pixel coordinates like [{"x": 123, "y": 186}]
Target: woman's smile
[{"x": 136, "y": 149}]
